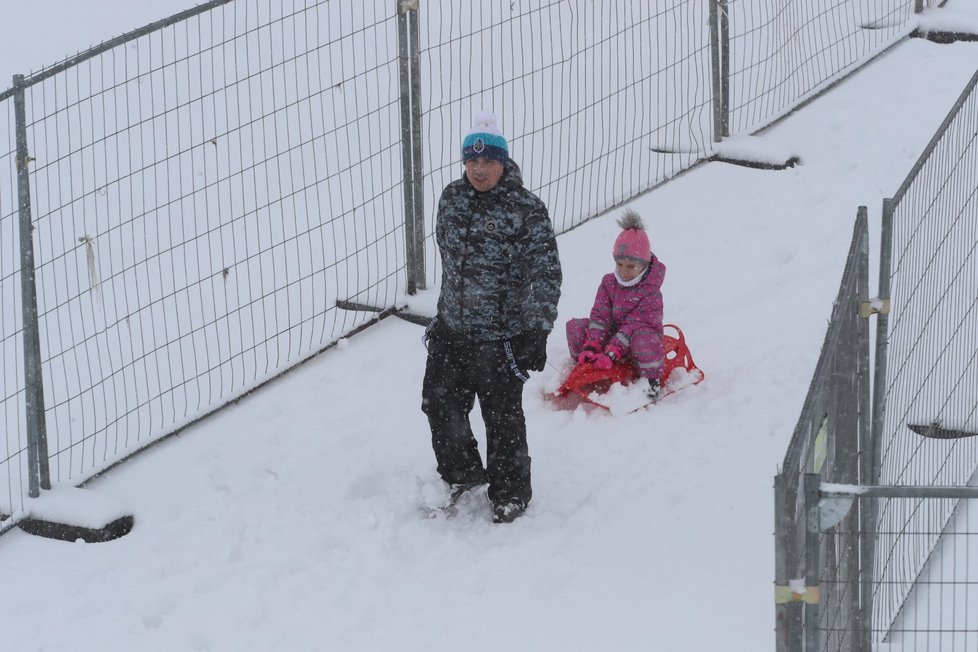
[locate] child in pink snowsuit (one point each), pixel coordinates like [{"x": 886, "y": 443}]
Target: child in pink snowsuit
[{"x": 626, "y": 320}]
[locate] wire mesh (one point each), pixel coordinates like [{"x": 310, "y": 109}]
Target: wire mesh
[
  {"x": 206, "y": 189},
  {"x": 599, "y": 101},
  {"x": 829, "y": 439},
  {"x": 931, "y": 349},
  {"x": 203, "y": 195},
  {"x": 783, "y": 52},
  {"x": 839, "y": 620},
  {"x": 13, "y": 453},
  {"x": 832, "y": 409},
  {"x": 938, "y": 614}
]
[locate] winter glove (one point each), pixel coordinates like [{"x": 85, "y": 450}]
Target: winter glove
[
  {"x": 602, "y": 361},
  {"x": 533, "y": 349},
  {"x": 591, "y": 350}
]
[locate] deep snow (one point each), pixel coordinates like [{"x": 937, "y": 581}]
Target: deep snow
[{"x": 291, "y": 520}]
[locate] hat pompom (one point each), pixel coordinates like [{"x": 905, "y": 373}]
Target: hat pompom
[
  {"x": 632, "y": 243},
  {"x": 631, "y": 220},
  {"x": 485, "y": 121}
]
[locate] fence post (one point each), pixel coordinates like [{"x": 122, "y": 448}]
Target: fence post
[
  {"x": 810, "y": 487},
  {"x": 720, "y": 63},
  {"x": 882, "y": 327},
  {"x": 781, "y": 542},
  {"x": 725, "y": 67},
  {"x": 869, "y": 513},
  {"x": 865, "y": 511},
  {"x": 407, "y": 42},
  {"x": 420, "y": 278},
  {"x": 38, "y": 473}
]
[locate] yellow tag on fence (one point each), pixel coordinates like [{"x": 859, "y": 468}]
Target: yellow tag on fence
[{"x": 786, "y": 594}]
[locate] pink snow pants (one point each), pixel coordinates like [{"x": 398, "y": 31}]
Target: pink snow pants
[{"x": 644, "y": 350}]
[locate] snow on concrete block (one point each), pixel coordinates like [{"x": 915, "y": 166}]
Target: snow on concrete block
[
  {"x": 755, "y": 152},
  {"x": 73, "y": 514},
  {"x": 946, "y": 25}
]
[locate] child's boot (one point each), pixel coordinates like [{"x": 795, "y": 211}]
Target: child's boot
[{"x": 653, "y": 390}]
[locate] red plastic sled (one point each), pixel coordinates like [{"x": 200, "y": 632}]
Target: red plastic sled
[{"x": 586, "y": 379}]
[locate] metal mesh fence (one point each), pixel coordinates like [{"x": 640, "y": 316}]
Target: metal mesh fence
[
  {"x": 895, "y": 574},
  {"x": 831, "y": 434},
  {"x": 928, "y": 398},
  {"x": 599, "y": 101},
  {"x": 784, "y": 51},
  {"x": 205, "y": 190},
  {"x": 203, "y": 196},
  {"x": 13, "y": 453},
  {"x": 939, "y": 614}
]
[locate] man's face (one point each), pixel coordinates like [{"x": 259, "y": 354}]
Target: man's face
[{"x": 483, "y": 173}]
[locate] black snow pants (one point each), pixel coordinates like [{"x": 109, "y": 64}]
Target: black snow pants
[{"x": 457, "y": 372}]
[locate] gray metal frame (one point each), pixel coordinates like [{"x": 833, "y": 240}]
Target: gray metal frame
[
  {"x": 720, "y": 60},
  {"x": 39, "y": 476},
  {"x": 411, "y": 139}
]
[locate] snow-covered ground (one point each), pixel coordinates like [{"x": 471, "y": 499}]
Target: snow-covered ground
[{"x": 292, "y": 520}]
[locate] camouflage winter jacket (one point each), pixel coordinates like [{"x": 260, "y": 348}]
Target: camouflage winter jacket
[{"x": 500, "y": 269}]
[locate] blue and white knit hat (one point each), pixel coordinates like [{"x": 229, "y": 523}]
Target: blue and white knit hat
[{"x": 485, "y": 140}]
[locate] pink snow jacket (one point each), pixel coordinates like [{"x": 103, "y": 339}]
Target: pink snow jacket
[{"x": 623, "y": 314}]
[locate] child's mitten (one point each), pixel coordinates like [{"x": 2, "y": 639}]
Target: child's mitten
[
  {"x": 591, "y": 350},
  {"x": 601, "y": 361}
]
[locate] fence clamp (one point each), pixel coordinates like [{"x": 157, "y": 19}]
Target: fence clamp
[
  {"x": 23, "y": 162},
  {"x": 408, "y": 6},
  {"x": 796, "y": 591},
  {"x": 874, "y": 307}
]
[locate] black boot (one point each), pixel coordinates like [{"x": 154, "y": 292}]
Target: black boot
[
  {"x": 507, "y": 511},
  {"x": 653, "y": 390}
]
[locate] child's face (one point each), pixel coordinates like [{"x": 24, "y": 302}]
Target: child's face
[{"x": 628, "y": 269}]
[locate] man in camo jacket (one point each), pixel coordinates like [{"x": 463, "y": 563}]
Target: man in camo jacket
[{"x": 500, "y": 285}]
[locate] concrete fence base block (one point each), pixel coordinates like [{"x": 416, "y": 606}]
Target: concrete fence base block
[
  {"x": 67, "y": 532},
  {"x": 946, "y": 37},
  {"x": 755, "y": 152},
  {"x": 414, "y": 318},
  {"x": 73, "y": 514},
  {"x": 946, "y": 25},
  {"x": 760, "y": 165}
]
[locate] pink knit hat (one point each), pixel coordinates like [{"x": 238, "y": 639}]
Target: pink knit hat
[{"x": 633, "y": 243}]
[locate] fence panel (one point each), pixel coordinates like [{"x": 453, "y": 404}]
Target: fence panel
[
  {"x": 203, "y": 195},
  {"x": 783, "y": 52},
  {"x": 939, "y": 614},
  {"x": 586, "y": 92},
  {"x": 831, "y": 435},
  {"x": 13, "y": 442},
  {"x": 207, "y": 189},
  {"x": 928, "y": 399}
]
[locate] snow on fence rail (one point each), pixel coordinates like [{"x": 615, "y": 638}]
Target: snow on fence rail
[{"x": 214, "y": 197}]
